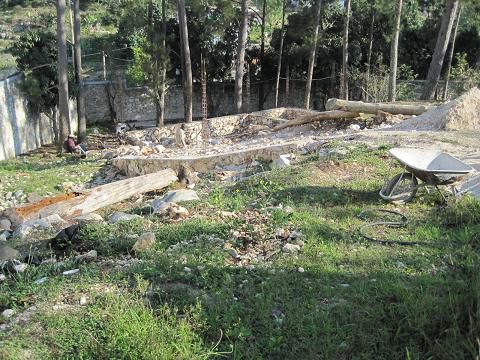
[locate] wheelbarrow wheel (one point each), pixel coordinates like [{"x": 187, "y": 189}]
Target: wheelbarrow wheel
[{"x": 401, "y": 188}]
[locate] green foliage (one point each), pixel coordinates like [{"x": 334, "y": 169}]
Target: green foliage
[
  {"x": 35, "y": 49},
  {"x": 462, "y": 71},
  {"x": 36, "y": 56}
]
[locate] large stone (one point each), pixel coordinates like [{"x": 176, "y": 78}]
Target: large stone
[
  {"x": 282, "y": 162},
  {"x": 87, "y": 257},
  {"x": 33, "y": 197},
  {"x": 37, "y": 227},
  {"x": 177, "y": 196},
  {"x": 8, "y": 253},
  {"x": 91, "y": 218},
  {"x": 5, "y": 224},
  {"x": 144, "y": 242},
  {"x": 291, "y": 248},
  {"x": 121, "y": 216}
]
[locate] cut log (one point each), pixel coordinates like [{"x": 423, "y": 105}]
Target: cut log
[
  {"x": 373, "y": 108},
  {"x": 72, "y": 205},
  {"x": 326, "y": 115}
]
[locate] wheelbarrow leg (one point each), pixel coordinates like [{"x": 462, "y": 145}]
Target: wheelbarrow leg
[{"x": 443, "y": 196}]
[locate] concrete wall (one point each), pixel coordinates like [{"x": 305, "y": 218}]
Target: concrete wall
[
  {"x": 21, "y": 130},
  {"x": 136, "y": 105}
]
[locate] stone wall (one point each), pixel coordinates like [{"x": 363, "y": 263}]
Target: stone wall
[
  {"x": 135, "y": 105},
  {"x": 20, "y": 129}
]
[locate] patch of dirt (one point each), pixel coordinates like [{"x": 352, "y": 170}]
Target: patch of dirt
[
  {"x": 339, "y": 171},
  {"x": 460, "y": 114}
]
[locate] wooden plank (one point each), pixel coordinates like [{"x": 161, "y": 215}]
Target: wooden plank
[
  {"x": 373, "y": 108},
  {"x": 92, "y": 200}
]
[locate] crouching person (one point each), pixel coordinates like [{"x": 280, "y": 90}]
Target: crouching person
[{"x": 72, "y": 147}]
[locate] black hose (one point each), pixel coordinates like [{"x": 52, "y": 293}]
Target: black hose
[{"x": 403, "y": 221}]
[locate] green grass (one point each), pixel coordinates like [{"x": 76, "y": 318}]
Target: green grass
[
  {"x": 44, "y": 175},
  {"x": 355, "y": 299}
]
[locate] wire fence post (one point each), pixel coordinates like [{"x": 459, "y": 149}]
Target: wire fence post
[{"x": 104, "y": 61}]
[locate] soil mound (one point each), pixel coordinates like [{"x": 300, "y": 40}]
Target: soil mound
[{"x": 463, "y": 113}]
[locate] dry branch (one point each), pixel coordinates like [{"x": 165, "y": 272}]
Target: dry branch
[{"x": 326, "y": 115}]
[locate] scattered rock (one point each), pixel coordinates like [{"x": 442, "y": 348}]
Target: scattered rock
[
  {"x": 186, "y": 175},
  {"x": 8, "y": 313},
  {"x": 33, "y": 198},
  {"x": 233, "y": 253},
  {"x": 354, "y": 127},
  {"x": 291, "y": 248},
  {"x": 70, "y": 272},
  {"x": 18, "y": 194},
  {"x": 83, "y": 300},
  {"x": 172, "y": 211},
  {"x": 14, "y": 266},
  {"x": 8, "y": 253},
  {"x": 4, "y": 236},
  {"x": 47, "y": 224},
  {"x": 301, "y": 270},
  {"x": 2, "y": 278},
  {"x": 282, "y": 233},
  {"x": 66, "y": 186},
  {"x": 91, "y": 218},
  {"x": 282, "y": 162},
  {"x": 121, "y": 216},
  {"x": 177, "y": 196},
  {"x": 87, "y": 257},
  {"x": 5, "y": 224},
  {"x": 187, "y": 270},
  {"x": 40, "y": 281},
  {"x": 278, "y": 316},
  {"x": 144, "y": 242}
]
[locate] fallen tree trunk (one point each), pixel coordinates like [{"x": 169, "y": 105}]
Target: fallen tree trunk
[
  {"x": 70, "y": 206},
  {"x": 373, "y": 108},
  {"x": 326, "y": 115}
]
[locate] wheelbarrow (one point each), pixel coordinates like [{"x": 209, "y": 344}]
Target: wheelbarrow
[{"x": 432, "y": 167}]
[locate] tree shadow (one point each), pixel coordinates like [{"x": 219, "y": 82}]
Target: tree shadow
[{"x": 326, "y": 196}]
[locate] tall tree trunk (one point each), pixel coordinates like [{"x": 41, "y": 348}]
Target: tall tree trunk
[
  {"x": 287, "y": 83},
  {"x": 450, "y": 54},
  {"x": 82, "y": 121},
  {"x": 240, "y": 63},
  {"x": 311, "y": 55},
  {"x": 369, "y": 54},
  {"x": 441, "y": 46},
  {"x": 163, "y": 72},
  {"x": 187, "y": 71},
  {"x": 392, "y": 86},
  {"x": 280, "y": 54},
  {"x": 344, "y": 80},
  {"x": 64, "y": 116},
  {"x": 261, "y": 88},
  {"x": 333, "y": 79}
]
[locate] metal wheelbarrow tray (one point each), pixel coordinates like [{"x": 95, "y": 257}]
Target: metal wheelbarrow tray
[{"x": 433, "y": 167}]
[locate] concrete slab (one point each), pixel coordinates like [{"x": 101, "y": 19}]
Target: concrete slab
[{"x": 138, "y": 165}]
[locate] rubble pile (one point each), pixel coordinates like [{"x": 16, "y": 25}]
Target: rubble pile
[{"x": 462, "y": 113}]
